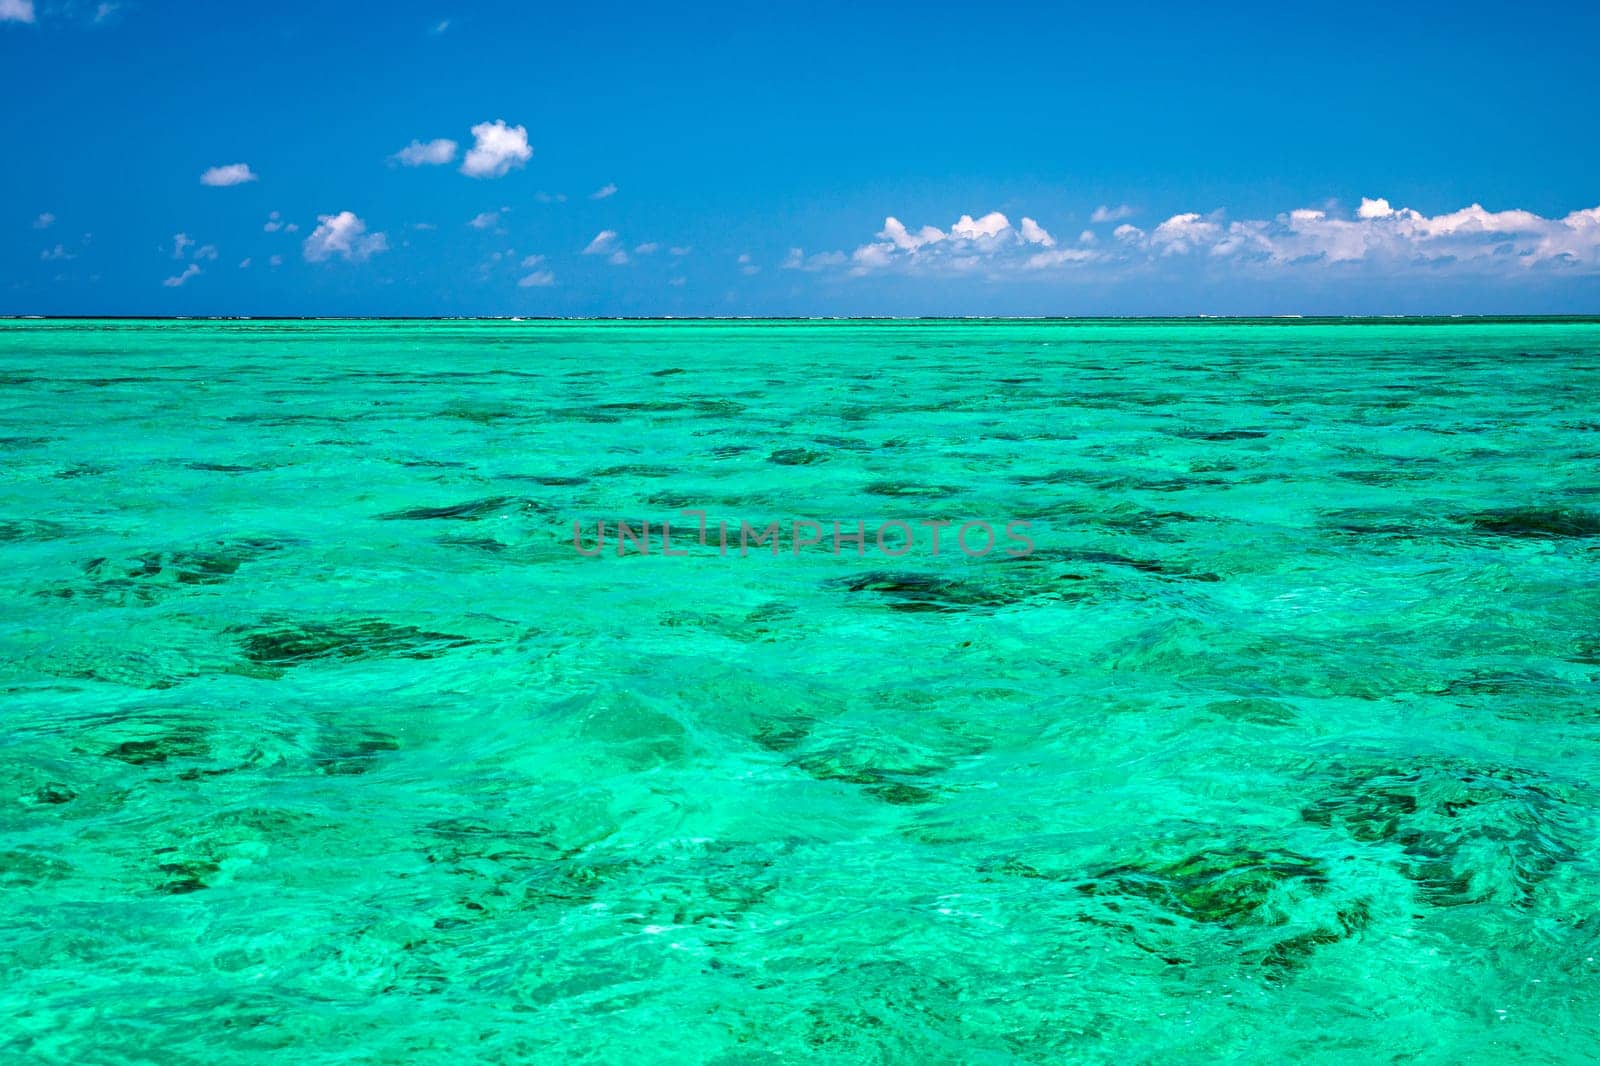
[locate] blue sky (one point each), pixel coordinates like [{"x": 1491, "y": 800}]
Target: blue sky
[{"x": 797, "y": 159}]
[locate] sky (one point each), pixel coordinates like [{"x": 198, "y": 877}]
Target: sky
[{"x": 497, "y": 158}]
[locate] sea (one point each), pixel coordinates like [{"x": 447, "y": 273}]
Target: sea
[{"x": 926, "y": 691}]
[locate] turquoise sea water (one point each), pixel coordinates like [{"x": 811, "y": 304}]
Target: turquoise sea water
[{"x": 322, "y": 743}]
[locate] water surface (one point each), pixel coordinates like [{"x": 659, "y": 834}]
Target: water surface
[{"x": 321, "y": 740}]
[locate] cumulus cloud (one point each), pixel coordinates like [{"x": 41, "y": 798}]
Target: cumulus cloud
[
  {"x": 1033, "y": 233},
  {"x": 486, "y": 220},
  {"x": 537, "y": 280},
  {"x": 44, "y": 221},
  {"x": 895, "y": 232},
  {"x": 608, "y": 189},
  {"x": 991, "y": 225},
  {"x": 1378, "y": 208},
  {"x": 344, "y": 235},
  {"x": 797, "y": 259},
  {"x": 50, "y": 255},
  {"x": 178, "y": 280},
  {"x": 497, "y": 150},
  {"x": 231, "y": 174},
  {"x": 1107, "y": 213},
  {"x": 180, "y": 241},
  {"x": 275, "y": 223},
  {"x": 435, "y": 153},
  {"x": 646, "y": 248},
  {"x": 1183, "y": 233},
  {"x": 965, "y": 245},
  {"x": 602, "y": 244},
  {"x": 1376, "y": 237},
  {"x": 16, "y": 10}
]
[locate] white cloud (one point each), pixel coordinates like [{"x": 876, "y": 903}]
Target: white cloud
[
  {"x": 872, "y": 256},
  {"x": 618, "y": 258},
  {"x": 896, "y": 233},
  {"x": 244, "y": 264},
  {"x": 206, "y": 251},
  {"x": 798, "y": 260},
  {"x": 50, "y": 255},
  {"x": 486, "y": 219},
  {"x": 435, "y": 153},
  {"x": 441, "y": 26},
  {"x": 232, "y": 174},
  {"x": 646, "y": 248},
  {"x": 531, "y": 261},
  {"x": 1033, "y": 233},
  {"x": 1184, "y": 233},
  {"x": 1378, "y": 208},
  {"x": 178, "y": 281},
  {"x": 1107, "y": 213},
  {"x": 608, "y": 189},
  {"x": 550, "y": 198},
  {"x": 498, "y": 149},
  {"x": 276, "y": 261},
  {"x": 537, "y": 280},
  {"x": 44, "y": 221},
  {"x": 105, "y": 11},
  {"x": 1376, "y": 237},
  {"x": 991, "y": 225},
  {"x": 16, "y": 10},
  {"x": 679, "y": 250},
  {"x": 180, "y": 241},
  {"x": 602, "y": 243},
  {"x": 1059, "y": 257},
  {"x": 274, "y": 223},
  {"x": 343, "y": 235}
]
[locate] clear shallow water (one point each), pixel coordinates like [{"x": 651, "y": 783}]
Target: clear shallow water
[{"x": 320, "y": 737}]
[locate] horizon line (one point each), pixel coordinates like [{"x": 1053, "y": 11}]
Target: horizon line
[{"x": 1579, "y": 316}]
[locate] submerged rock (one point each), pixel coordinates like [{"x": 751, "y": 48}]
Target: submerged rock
[
  {"x": 796, "y": 457},
  {"x": 1467, "y": 833},
  {"x": 295, "y": 644},
  {"x": 468, "y": 511},
  {"x": 16, "y": 530},
  {"x": 1274, "y": 907},
  {"x": 912, "y": 591},
  {"x": 143, "y": 579},
  {"x": 1537, "y": 522},
  {"x": 1222, "y": 435},
  {"x": 902, "y": 489}
]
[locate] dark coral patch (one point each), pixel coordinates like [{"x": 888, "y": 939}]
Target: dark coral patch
[
  {"x": 287, "y": 644},
  {"x": 1541, "y": 523},
  {"x": 467, "y": 511}
]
